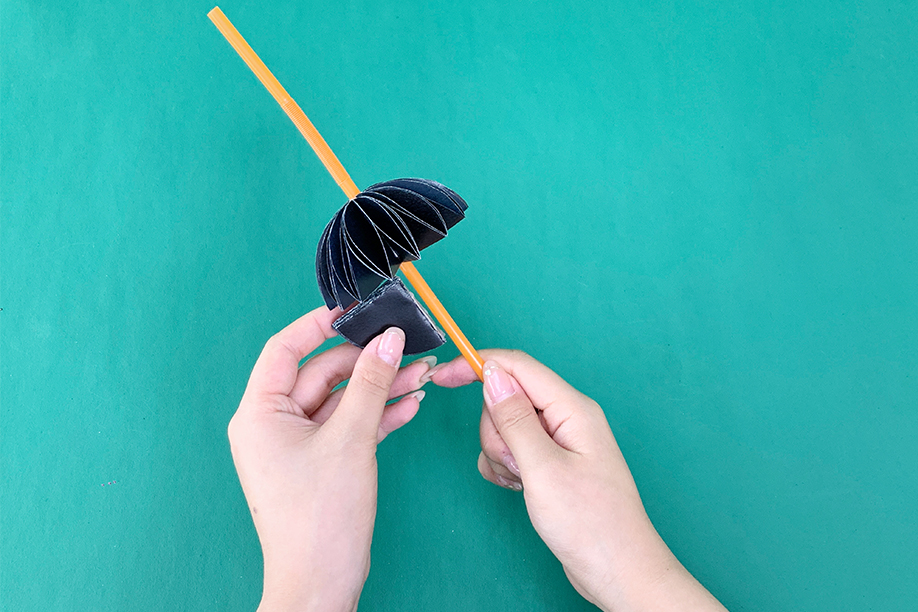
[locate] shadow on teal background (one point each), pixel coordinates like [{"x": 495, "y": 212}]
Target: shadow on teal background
[{"x": 705, "y": 218}]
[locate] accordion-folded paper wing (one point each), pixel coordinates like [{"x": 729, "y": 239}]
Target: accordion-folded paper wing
[
  {"x": 362, "y": 247},
  {"x": 379, "y": 229}
]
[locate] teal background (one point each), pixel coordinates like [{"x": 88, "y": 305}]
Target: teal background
[{"x": 702, "y": 216}]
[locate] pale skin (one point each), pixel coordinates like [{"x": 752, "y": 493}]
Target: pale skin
[{"x": 306, "y": 458}]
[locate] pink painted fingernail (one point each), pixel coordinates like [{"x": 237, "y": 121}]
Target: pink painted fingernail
[
  {"x": 497, "y": 382},
  {"x": 511, "y": 465},
  {"x": 391, "y": 345}
]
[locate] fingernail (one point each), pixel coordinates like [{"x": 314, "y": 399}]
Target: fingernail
[
  {"x": 391, "y": 345},
  {"x": 418, "y": 395},
  {"x": 508, "y": 484},
  {"x": 497, "y": 383},
  {"x": 427, "y": 376},
  {"x": 511, "y": 465},
  {"x": 431, "y": 361}
]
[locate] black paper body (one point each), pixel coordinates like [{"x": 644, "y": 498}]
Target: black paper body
[{"x": 391, "y": 305}]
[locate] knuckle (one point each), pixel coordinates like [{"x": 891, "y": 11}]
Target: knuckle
[
  {"x": 593, "y": 410},
  {"x": 483, "y": 468},
  {"x": 279, "y": 343},
  {"x": 511, "y": 355},
  {"x": 492, "y": 445},
  {"x": 491, "y": 454},
  {"x": 273, "y": 342},
  {"x": 515, "y": 360},
  {"x": 514, "y": 417},
  {"x": 522, "y": 357},
  {"x": 518, "y": 355},
  {"x": 591, "y": 405},
  {"x": 374, "y": 380},
  {"x": 232, "y": 430},
  {"x": 508, "y": 355}
]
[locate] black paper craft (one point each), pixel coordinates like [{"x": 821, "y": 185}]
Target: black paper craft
[
  {"x": 363, "y": 246},
  {"x": 390, "y": 305}
]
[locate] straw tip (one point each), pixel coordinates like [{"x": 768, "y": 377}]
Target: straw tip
[{"x": 214, "y": 11}]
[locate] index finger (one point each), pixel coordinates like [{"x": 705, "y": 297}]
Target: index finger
[{"x": 275, "y": 371}]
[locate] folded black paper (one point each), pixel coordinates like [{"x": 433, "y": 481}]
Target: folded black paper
[
  {"x": 362, "y": 247},
  {"x": 391, "y": 305},
  {"x": 379, "y": 229}
]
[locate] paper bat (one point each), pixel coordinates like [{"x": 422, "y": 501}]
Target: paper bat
[{"x": 362, "y": 247}]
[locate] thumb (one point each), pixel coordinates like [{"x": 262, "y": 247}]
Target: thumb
[
  {"x": 515, "y": 418},
  {"x": 361, "y": 407}
]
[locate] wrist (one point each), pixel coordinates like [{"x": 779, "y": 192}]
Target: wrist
[
  {"x": 302, "y": 578},
  {"x": 300, "y": 592},
  {"x": 277, "y": 600},
  {"x": 646, "y": 565},
  {"x": 656, "y": 580}
]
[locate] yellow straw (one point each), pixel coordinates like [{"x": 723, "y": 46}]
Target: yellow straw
[
  {"x": 334, "y": 167},
  {"x": 296, "y": 114}
]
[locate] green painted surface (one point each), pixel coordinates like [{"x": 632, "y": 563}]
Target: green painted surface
[{"x": 705, "y": 218}]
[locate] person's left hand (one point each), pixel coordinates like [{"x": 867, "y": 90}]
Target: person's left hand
[{"x": 306, "y": 457}]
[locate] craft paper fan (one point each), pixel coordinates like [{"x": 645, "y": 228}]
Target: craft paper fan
[
  {"x": 362, "y": 247},
  {"x": 379, "y": 229}
]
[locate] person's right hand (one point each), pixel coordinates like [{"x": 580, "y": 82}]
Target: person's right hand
[{"x": 541, "y": 435}]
